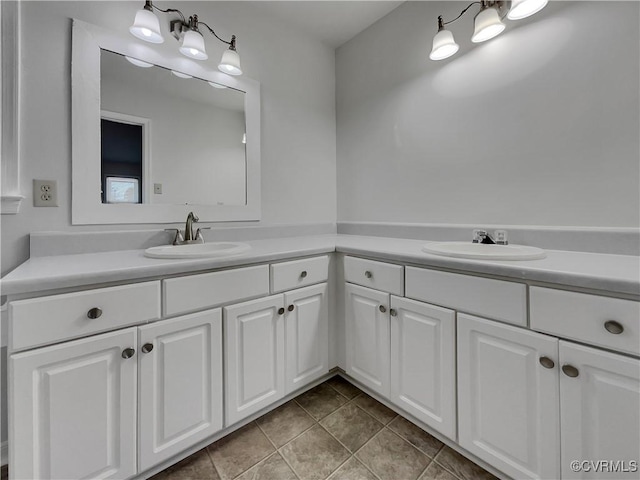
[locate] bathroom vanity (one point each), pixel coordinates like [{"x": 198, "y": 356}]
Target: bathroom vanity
[{"x": 121, "y": 365}]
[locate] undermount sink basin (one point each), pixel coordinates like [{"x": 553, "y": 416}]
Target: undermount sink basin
[
  {"x": 197, "y": 250},
  {"x": 481, "y": 251}
]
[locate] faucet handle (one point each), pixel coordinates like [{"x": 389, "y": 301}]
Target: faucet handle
[
  {"x": 479, "y": 235},
  {"x": 199, "y": 235},
  {"x": 178, "y": 239},
  {"x": 501, "y": 237}
]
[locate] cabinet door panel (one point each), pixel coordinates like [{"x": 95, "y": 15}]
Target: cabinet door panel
[
  {"x": 74, "y": 409},
  {"x": 254, "y": 340},
  {"x": 423, "y": 363},
  {"x": 180, "y": 384},
  {"x": 307, "y": 330},
  {"x": 507, "y": 401},
  {"x": 600, "y": 410},
  {"x": 367, "y": 337}
]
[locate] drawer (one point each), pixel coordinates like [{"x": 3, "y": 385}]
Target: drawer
[
  {"x": 55, "y": 318},
  {"x": 582, "y": 317},
  {"x": 299, "y": 273},
  {"x": 381, "y": 276},
  {"x": 197, "y": 292},
  {"x": 497, "y": 299}
]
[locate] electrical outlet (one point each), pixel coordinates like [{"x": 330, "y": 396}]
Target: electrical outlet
[
  {"x": 45, "y": 193},
  {"x": 157, "y": 188}
]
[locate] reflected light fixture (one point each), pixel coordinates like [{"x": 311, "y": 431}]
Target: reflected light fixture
[
  {"x": 139, "y": 63},
  {"x": 180, "y": 74},
  {"x": 146, "y": 26},
  {"x": 486, "y": 24},
  {"x": 217, "y": 85}
]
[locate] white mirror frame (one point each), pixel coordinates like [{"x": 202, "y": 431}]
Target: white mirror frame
[{"x": 87, "y": 207}]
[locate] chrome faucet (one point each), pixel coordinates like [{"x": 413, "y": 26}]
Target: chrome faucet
[
  {"x": 189, "y": 236},
  {"x": 482, "y": 236}
]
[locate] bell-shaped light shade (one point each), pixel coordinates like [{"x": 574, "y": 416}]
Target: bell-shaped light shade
[
  {"x": 193, "y": 45},
  {"x": 230, "y": 63},
  {"x": 525, "y": 8},
  {"x": 487, "y": 25},
  {"x": 146, "y": 26},
  {"x": 139, "y": 63},
  {"x": 443, "y": 45},
  {"x": 217, "y": 85},
  {"x": 180, "y": 74}
]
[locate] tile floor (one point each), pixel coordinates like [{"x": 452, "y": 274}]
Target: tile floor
[{"x": 335, "y": 432}]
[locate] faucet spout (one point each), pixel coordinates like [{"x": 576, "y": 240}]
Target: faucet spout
[{"x": 188, "y": 228}]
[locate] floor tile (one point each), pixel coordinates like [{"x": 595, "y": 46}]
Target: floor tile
[
  {"x": 321, "y": 401},
  {"x": 416, "y": 436},
  {"x": 352, "y": 469},
  {"x": 314, "y": 454},
  {"x": 461, "y": 466},
  {"x": 375, "y": 408},
  {"x": 351, "y": 425},
  {"x": 285, "y": 423},
  {"x": 271, "y": 468},
  {"x": 391, "y": 457},
  {"x": 343, "y": 387},
  {"x": 194, "y": 467},
  {"x": 435, "y": 472},
  {"x": 240, "y": 450}
]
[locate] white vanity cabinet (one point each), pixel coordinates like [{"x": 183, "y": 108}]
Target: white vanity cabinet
[
  {"x": 599, "y": 411},
  {"x": 508, "y": 397},
  {"x": 73, "y": 409},
  {"x": 274, "y": 346}
]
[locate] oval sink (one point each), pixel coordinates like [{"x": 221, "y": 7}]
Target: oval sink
[
  {"x": 197, "y": 250},
  {"x": 481, "y": 251}
]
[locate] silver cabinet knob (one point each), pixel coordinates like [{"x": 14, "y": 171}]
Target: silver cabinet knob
[
  {"x": 382, "y": 308},
  {"x": 128, "y": 353},
  {"x": 281, "y": 311},
  {"x": 613, "y": 327},
  {"x": 546, "y": 362},
  {"x": 94, "y": 313},
  {"x": 291, "y": 307},
  {"x": 393, "y": 312},
  {"x": 147, "y": 347},
  {"x": 368, "y": 274},
  {"x": 570, "y": 371},
  {"x": 303, "y": 274}
]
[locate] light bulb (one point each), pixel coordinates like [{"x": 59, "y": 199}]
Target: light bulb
[
  {"x": 487, "y": 25},
  {"x": 193, "y": 45},
  {"x": 525, "y": 8},
  {"x": 230, "y": 63},
  {"x": 443, "y": 45},
  {"x": 146, "y": 26}
]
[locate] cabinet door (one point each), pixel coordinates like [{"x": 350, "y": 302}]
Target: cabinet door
[
  {"x": 367, "y": 337},
  {"x": 423, "y": 363},
  {"x": 307, "y": 336},
  {"x": 73, "y": 408},
  {"x": 254, "y": 353},
  {"x": 507, "y": 401},
  {"x": 180, "y": 365},
  {"x": 600, "y": 411}
]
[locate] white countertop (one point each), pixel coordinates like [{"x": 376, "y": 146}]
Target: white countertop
[{"x": 606, "y": 272}]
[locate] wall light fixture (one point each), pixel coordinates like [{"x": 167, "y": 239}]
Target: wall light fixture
[
  {"x": 146, "y": 26},
  {"x": 486, "y": 25}
]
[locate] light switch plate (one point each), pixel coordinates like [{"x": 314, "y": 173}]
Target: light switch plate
[
  {"x": 157, "y": 188},
  {"x": 45, "y": 193}
]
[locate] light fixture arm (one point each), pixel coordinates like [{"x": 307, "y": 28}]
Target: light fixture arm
[
  {"x": 442, "y": 23},
  {"x": 232, "y": 43}
]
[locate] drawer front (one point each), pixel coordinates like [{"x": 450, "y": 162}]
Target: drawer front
[
  {"x": 587, "y": 318},
  {"x": 197, "y": 292},
  {"x": 299, "y": 273},
  {"x": 496, "y": 299},
  {"x": 39, "y": 321},
  {"x": 377, "y": 275}
]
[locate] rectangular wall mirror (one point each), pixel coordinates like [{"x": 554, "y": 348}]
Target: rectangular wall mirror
[{"x": 156, "y": 135}]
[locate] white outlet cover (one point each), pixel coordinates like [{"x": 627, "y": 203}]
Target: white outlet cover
[{"x": 45, "y": 193}]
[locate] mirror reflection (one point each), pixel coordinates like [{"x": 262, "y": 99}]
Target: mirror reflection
[{"x": 168, "y": 138}]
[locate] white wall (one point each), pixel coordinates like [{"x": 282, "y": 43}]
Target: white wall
[
  {"x": 298, "y": 111},
  {"x": 539, "y": 126}
]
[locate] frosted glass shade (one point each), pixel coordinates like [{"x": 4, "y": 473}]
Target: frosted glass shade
[
  {"x": 217, "y": 85},
  {"x": 139, "y": 63},
  {"x": 525, "y": 8},
  {"x": 230, "y": 63},
  {"x": 193, "y": 45},
  {"x": 487, "y": 25},
  {"x": 146, "y": 26},
  {"x": 180, "y": 74},
  {"x": 443, "y": 45}
]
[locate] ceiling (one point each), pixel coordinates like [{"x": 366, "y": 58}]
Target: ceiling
[{"x": 333, "y": 23}]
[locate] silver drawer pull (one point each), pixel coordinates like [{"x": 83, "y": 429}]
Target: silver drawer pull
[
  {"x": 147, "y": 347},
  {"x": 570, "y": 371},
  {"x": 94, "y": 313},
  {"x": 393, "y": 312},
  {"x": 382, "y": 308},
  {"x": 303, "y": 274},
  {"x": 368, "y": 274},
  {"x": 546, "y": 362},
  {"x": 281, "y": 311},
  {"x": 128, "y": 353},
  {"x": 613, "y": 327}
]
